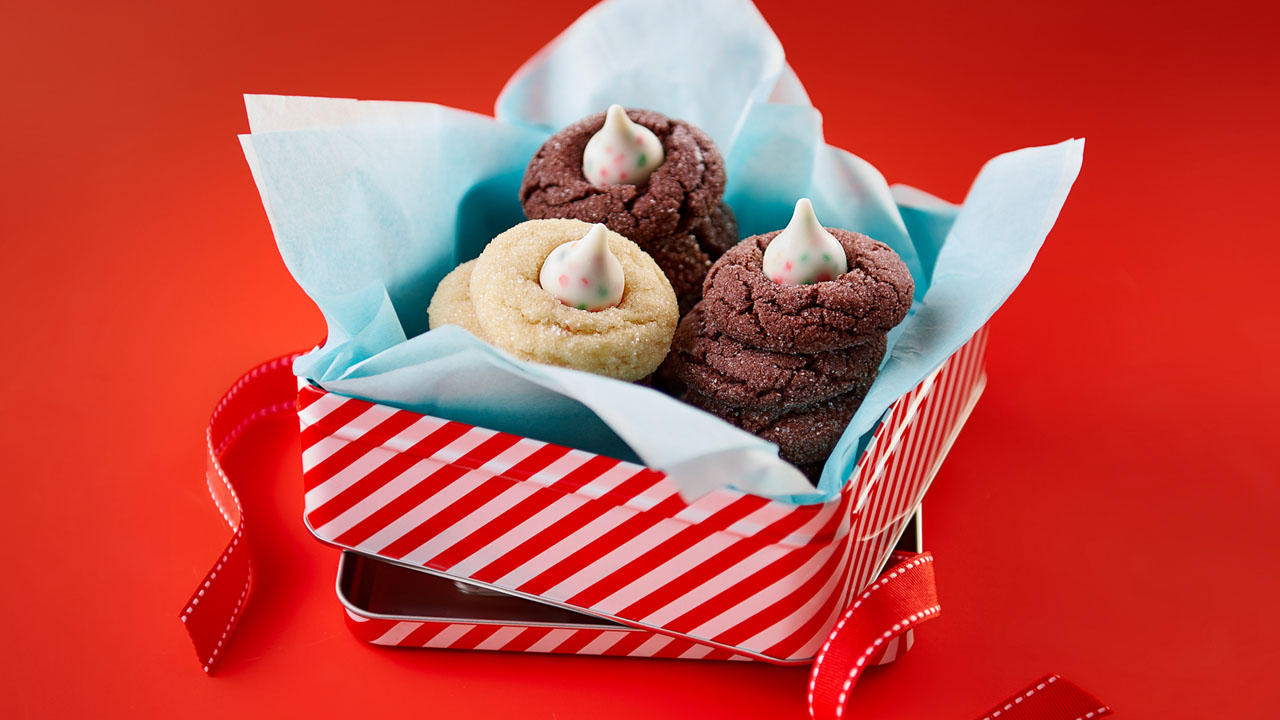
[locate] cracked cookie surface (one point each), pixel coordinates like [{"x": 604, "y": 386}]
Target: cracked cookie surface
[
  {"x": 687, "y": 186},
  {"x": 716, "y": 232},
  {"x": 868, "y": 300}
]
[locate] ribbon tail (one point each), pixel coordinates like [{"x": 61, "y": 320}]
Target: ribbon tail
[
  {"x": 1049, "y": 698},
  {"x": 216, "y": 605},
  {"x": 903, "y": 597}
]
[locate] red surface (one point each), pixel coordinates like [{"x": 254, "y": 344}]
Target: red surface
[{"x": 1106, "y": 514}]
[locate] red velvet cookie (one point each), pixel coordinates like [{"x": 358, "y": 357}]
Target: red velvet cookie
[
  {"x": 687, "y": 186},
  {"x": 684, "y": 263},
  {"x": 686, "y": 257},
  {"x": 716, "y": 232},
  {"x": 805, "y": 434},
  {"x": 868, "y": 300},
  {"x": 713, "y": 365}
]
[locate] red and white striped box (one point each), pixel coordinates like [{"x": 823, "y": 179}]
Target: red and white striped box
[{"x": 730, "y": 571}]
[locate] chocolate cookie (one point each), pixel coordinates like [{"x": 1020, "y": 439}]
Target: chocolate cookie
[
  {"x": 869, "y": 299},
  {"x": 812, "y": 470},
  {"x": 716, "y": 232},
  {"x": 686, "y": 257},
  {"x": 687, "y": 186},
  {"x": 684, "y": 263},
  {"x": 804, "y": 434},
  {"x": 722, "y": 369}
]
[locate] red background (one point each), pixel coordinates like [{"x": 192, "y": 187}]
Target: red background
[{"x": 1106, "y": 514}]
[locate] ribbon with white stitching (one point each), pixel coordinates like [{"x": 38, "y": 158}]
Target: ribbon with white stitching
[
  {"x": 901, "y": 598},
  {"x": 211, "y": 614}
]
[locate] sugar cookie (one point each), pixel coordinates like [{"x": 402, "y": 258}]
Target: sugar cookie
[
  {"x": 451, "y": 303},
  {"x": 627, "y": 341}
]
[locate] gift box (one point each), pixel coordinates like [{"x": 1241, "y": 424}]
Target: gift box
[{"x": 615, "y": 540}]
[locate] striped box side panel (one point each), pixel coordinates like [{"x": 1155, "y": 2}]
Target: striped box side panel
[
  {"x": 906, "y": 453},
  {"x": 612, "y": 538},
  {"x": 589, "y": 532}
]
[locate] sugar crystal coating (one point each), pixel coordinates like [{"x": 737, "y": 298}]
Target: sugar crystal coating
[{"x": 451, "y": 304}]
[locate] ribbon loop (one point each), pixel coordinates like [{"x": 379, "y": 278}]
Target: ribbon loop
[{"x": 902, "y": 597}]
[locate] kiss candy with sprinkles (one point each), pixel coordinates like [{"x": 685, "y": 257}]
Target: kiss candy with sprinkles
[
  {"x": 804, "y": 252},
  {"x": 583, "y": 273},
  {"x": 621, "y": 152}
]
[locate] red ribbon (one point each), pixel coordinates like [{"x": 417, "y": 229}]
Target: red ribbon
[
  {"x": 214, "y": 609},
  {"x": 901, "y": 598}
]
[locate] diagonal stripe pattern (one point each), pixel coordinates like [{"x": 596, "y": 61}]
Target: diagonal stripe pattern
[{"x": 614, "y": 539}]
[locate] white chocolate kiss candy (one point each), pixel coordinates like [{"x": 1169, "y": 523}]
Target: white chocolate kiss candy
[
  {"x": 804, "y": 252},
  {"x": 584, "y": 273},
  {"x": 622, "y": 153}
]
